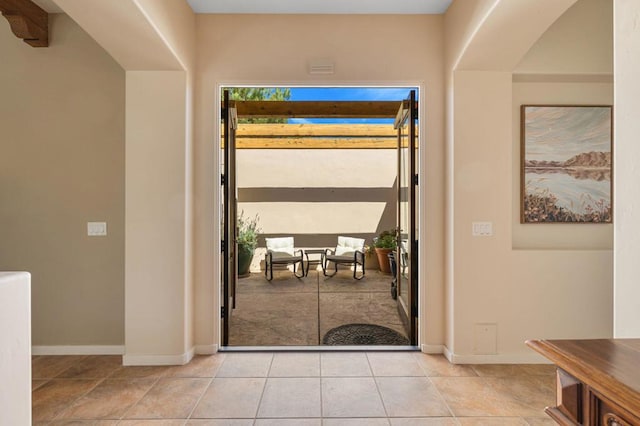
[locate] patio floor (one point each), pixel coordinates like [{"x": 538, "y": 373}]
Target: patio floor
[{"x": 290, "y": 311}]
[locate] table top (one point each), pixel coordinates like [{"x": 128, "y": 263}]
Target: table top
[
  {"x": 315, "y": 251},
  {"x": 606, "y": 365}
]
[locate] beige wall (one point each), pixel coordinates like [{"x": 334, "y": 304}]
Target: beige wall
[
  {"x": 579, "y": 42},
  {"x": 137, "y": 43},
  {"x": 626, "y": 153},
  {"x": 62, "y": 165},
  {"x": 151, "y": 38},
  {"x": 318, "y": 194},
  {"x": 506, "y": 279},
  {"x": 157, "y": 312},
  {"x": 276, "y": 49},
  {"x": 523, "y": 281}
]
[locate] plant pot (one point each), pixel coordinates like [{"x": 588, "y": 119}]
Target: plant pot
[
  {"x": 245, "y": 255},
  {"x": 371, "y": 261},
  {"x": 383, "y": 259}
]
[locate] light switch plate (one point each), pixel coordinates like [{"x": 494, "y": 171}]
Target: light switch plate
[
  {"x": 96, "y": 229},
  {"x": 482, "y": 229}
]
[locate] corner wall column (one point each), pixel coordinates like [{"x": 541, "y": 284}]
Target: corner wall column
[{"x": 157, "y": 324}]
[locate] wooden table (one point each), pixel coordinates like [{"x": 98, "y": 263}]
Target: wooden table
[{"x": 598, "y": 381}]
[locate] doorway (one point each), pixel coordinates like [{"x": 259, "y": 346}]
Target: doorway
[{"x": 316, "y": 171}]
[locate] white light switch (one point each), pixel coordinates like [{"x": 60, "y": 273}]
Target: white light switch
[
  {"x": 95, "y": 229},
  {"x": 482, "y": 229}
]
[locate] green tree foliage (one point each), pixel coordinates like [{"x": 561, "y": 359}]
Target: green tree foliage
[{"x": 260, "y": 94}]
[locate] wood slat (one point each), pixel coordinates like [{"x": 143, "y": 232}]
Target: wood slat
[
  {"x": 316, "y": 136},
  {"x": 316, "y": 143},
  {"x": 318, "y": 109},
  {"x": 315, "y": 130}
]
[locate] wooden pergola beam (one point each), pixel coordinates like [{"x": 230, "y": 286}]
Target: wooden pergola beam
[
  {"x": 286, "y": 130},
  {"x": 28, "y": 21},
  {"x": 318, "y": 109}
]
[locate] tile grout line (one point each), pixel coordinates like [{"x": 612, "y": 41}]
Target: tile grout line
[
  {"x": 68, "y": 407},
  {"x": 200, "y": 399},
  {"x": 443, "y": 398},
  {"x": 320, "y": 379},
  {"x": 138, "y": 401},
  {"x": 375, "y": 382},
  {"x": 264, "y": 388}
]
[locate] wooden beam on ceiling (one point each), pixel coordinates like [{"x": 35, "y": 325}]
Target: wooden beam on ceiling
[
  {"x": 318, "y": 109},
  {"x": 28, "y": 21}
]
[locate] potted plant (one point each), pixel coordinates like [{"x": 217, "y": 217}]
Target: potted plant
[
  {"x": 248, "y": 231},
  {"x": 384, "y": 244}
]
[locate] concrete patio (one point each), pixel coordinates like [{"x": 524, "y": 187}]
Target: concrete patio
[{"x": 290, "y": 311}]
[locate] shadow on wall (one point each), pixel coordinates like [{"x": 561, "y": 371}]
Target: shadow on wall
[{"x": 321, "y": 238}]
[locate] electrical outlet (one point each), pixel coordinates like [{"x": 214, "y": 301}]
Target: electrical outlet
[{"x": 96, "y": 229}]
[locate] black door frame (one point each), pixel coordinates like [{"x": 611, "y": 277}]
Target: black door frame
[{"x": 229, "y": 245}]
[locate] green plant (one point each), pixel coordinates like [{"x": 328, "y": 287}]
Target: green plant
[
  {"x": 386, "y": 239},
  {"x": 248, "y": 231}
]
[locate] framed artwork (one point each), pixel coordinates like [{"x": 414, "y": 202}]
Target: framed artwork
[{"x": 565, "y": 172}]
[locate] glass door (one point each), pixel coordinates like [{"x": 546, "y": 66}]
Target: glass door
[
  {"x": 407, "y": 223},
  {"x": 229, "y": 216}
]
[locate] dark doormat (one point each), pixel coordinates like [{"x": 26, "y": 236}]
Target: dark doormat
[{"x": 363, "y": 334}]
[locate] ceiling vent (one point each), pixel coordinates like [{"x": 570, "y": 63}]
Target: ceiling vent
[{"x": 321, "y": 67}]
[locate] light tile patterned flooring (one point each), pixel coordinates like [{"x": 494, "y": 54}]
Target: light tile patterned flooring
[{"x": 290, "y": 388}]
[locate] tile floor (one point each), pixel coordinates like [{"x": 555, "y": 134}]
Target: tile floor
[
  {"x": 289, "y": 311},
  {"x": 290, "y": 388}
]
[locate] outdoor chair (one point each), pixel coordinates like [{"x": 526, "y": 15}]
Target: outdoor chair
[
  {"x": 281, "y": 251},
  {"x": 349, "y": 251}
]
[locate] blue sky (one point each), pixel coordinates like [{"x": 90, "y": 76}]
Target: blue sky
[{"x": 347, "y": 94}]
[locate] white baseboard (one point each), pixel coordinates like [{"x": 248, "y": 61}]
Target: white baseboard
[
  {"x": 447, "y": 354},
  {"x": 206, "y": 349},
  {"x": 431, "y": 349},
  {"x": 532, "y": 358},
  {"x": 77, "y": 350},
  {"x": 181, "y": 359}
]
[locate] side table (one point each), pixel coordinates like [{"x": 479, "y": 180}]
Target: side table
[{"x": 317, "y": 261}]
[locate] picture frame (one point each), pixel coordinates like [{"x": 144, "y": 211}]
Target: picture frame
[{"x": 566, "y": 164}]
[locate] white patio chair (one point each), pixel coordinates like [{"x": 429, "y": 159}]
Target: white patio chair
[
  {"x": 349, "y": 251},
  {"x": 281, "y": 251}
]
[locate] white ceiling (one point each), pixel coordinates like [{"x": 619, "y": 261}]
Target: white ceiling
[{"x": 321, "y": 6}]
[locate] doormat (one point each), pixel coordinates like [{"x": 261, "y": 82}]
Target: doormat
[{"x": 363, "y": 334}]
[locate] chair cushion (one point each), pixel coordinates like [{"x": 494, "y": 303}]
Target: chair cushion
[
  {"x": 348, "y": 245},
  {"x": 280, "y": 246}
]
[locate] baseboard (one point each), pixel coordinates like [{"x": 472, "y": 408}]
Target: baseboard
[
  {"x": 532, "y": 358},
  {"x": 77, "y": 350},
  {"x": 181, "y": 359},
  {"x": 206, "y": 349},
  {"x": 447, "y": 354},
  {"x": 431, "y": 349}
]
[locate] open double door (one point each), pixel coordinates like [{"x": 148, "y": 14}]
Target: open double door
[
  {"x": 407, "y": 216},
  {"x": 406, "y": 254}
]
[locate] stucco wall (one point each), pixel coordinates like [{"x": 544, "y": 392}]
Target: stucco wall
[
  {"x": 627, "y": 192},
  {"x": 62, "y": 165},
  {"x": 276, "y": 49},
  {"x": 526, "y": 282}
]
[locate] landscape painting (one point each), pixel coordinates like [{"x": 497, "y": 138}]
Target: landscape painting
[{"x": 566, "y": 164}]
